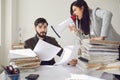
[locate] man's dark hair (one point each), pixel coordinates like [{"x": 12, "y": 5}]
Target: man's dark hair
[{"x": 40, "y": 20}]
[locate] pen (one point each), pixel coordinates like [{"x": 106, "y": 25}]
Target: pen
[
  {"x": 5, "y": 69},
  {"x": 10, "y": 69}
]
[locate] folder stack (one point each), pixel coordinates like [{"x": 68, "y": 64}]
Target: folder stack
[
  {"x": 24, "y": 59},
  {"x": 97, "y": 54},
  {"x": 26, "y": 63}
]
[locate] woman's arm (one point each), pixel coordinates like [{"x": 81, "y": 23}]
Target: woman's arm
[{"x": 106, "y": 21}]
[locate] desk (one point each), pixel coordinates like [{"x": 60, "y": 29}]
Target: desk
[{"x": 51, "y": 72}]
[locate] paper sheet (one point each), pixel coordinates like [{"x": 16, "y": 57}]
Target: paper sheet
[
  {"x": 21, "y": 53},
  {"x": 82, "y": 77},
  {"x": 69, "y": 53},
  {"x": 46, "y": 51}
]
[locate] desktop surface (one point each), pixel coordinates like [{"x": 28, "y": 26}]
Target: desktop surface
[{"x": 54, "y": 73}]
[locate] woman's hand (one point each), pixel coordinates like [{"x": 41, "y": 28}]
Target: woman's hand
[
  {"x": 73, "y": 29},
  {"x": 98, "y": 38},
  {"x": 73, "y": 62}
]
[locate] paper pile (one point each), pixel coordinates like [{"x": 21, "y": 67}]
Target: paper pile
[
  {"x": 98, "y": 54},
  {"x": 24, "y": 59}
]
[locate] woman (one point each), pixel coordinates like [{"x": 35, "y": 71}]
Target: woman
[{"x": 94, "y": 24}]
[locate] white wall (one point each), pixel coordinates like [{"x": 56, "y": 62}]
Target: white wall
[
  {"x": 0, "y": 21},
  {"x": 110, "y": 5},
  {"x": 2, "y": 33},
  {"x": 56, "y": 11},
  {"x": 7, "y": 24},
  {"x": 22, "y": 13}
]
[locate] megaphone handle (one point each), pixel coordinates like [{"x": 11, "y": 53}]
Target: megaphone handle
[
  {"x": 77, "y": 24},
  {"x": 55, "y": 32}
]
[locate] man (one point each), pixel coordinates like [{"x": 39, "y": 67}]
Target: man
[{"x": 41, "y": 31}]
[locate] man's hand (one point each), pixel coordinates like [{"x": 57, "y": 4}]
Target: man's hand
[
  {"x": 73, "y": 62},
  {"x": 39, "y": 60}
]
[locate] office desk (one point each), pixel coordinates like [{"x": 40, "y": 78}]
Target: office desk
[{"x": 52, "y": 73}]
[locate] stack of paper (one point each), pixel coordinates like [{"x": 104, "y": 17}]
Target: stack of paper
[
  {"x": 102, "y": 42},
  {"x": 24, "y": 58},
  {"x": 96, "y": 54},
  {"x": 112, "y": 68}
]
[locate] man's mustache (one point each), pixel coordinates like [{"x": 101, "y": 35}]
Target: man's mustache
[{"x": 42, "y": 32}]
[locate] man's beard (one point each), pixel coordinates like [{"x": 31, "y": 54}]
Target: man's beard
[{"x": 42, "y": 36}]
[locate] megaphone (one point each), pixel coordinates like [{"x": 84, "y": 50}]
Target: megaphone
[{"x": 63, "y": 25}]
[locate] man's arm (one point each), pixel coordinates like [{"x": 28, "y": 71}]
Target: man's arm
[
  {"x": 26, "y": 45},
  {"x": 29, "y": 44}
]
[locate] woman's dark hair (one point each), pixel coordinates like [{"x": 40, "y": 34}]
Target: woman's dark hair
[
  {"x": 85, "y": 21},
  {"x": 40, "y": 20}
]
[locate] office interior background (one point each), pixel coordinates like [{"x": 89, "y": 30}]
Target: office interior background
[{"x": 18, "y": 16}]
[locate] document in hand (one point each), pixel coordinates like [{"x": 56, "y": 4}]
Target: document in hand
[
  {"x": 46, "y": 51},
  {"x": 69, "y": 53}
]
